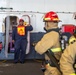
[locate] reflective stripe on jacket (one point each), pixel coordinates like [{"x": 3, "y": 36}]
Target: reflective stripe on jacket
[
  {"x": 73, "y": 74},
  {"x": 56, "y": 49},
  {"x": 72, "y": 39}
]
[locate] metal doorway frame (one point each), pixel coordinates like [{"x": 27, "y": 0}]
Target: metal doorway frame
[{"x": 7, "y": 27}]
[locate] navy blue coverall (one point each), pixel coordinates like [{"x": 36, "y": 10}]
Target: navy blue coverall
[{"x": 20, "y": 44}]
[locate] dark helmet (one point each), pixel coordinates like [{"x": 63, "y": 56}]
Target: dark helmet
[{"x": 21, "y": 20}]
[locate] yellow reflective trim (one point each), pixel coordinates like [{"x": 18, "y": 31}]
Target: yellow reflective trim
[
  {"x": 46, "y": 18},
  {"x": 56, "y": 49},
  {"x": 55, "y": 19},
  {"x": 48, "y": 64},
  {"x": 71, "y": 40},
  {"x": 73, "y": 74},
  {"x": 50, "y": 19}
]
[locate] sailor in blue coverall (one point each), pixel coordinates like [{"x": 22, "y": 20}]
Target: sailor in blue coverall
[{"x": 19, "y": 38}]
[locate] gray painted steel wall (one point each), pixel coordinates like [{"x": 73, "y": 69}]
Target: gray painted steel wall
[{"x": 32, "y": 55}]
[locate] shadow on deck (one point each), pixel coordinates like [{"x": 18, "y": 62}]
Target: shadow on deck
[{"x": 30, "y": 67}]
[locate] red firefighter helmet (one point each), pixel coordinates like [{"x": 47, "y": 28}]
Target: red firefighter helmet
[
  {"x": 51, "y": 16},
  {"x": 21, "y": 20}
]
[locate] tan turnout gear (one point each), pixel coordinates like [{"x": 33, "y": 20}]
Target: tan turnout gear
[
  {"x": 68, "y": 59},
  {"x": 50, "y": 41}
]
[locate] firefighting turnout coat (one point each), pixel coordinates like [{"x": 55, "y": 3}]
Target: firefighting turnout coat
[
  {"x": 68, "y": 59},
  {"x": 50, "y": 41}
]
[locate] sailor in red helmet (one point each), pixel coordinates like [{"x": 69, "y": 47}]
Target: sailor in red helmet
[
  {"x": 50, "y": 41},
  {"x": 19, "y": 38}
]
